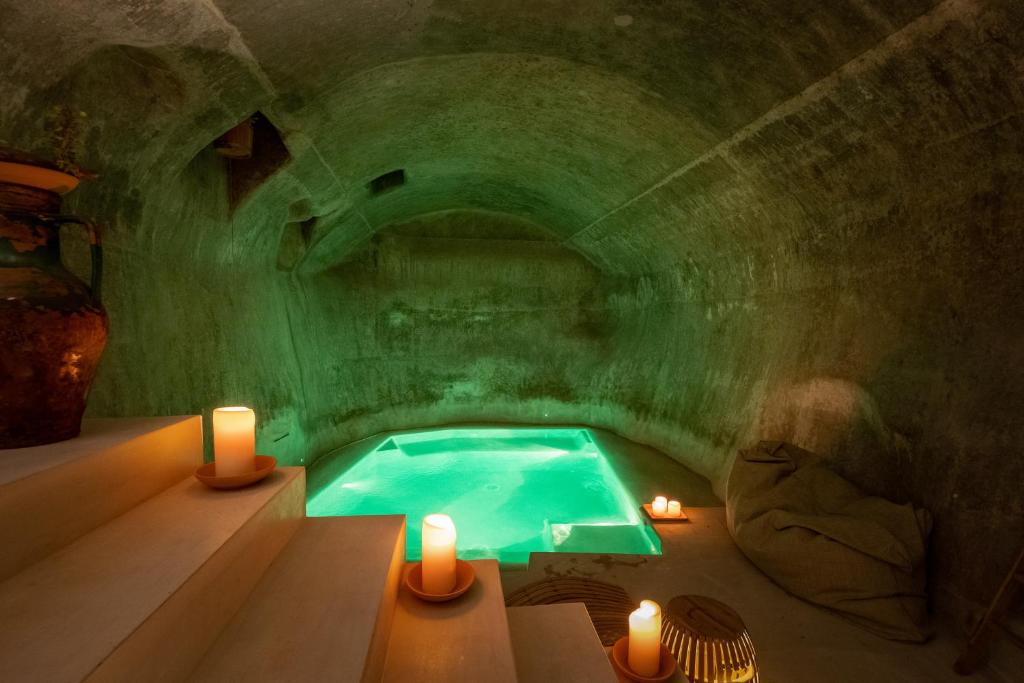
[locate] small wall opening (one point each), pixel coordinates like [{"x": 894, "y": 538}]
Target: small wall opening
[
  {"x": 387, "y": 181},
  {"x": 269, "y": 154}
]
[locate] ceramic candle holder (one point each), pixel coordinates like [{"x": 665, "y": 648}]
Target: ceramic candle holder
[
  {"x": 264, "y": 465},
  {"x": 620, "y": 657},
  {"x": 465, "y": 576}
]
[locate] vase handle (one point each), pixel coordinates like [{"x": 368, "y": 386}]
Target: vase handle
[{"x": 95, "y": 251}]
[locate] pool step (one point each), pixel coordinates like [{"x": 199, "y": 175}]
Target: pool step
[
  {"x": 51, "y": 495},
  {"x": 121, "y": 567},
  {"x": 463, "y": 641},
  {"x": 557, "y": 643},
  {"x": 142, "y": 597},
  {"x": 593, "y": 538},
  {"x": 322, "y": 611}
]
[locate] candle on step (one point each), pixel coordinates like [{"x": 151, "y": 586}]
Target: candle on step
[
  {"x": 674, "y": 508},
  {"x": 438, "y": 565},
  {"x": 234, "y": 441},
  {"x": 644, "y": 656},
  {"x": 660, "y": 505}
]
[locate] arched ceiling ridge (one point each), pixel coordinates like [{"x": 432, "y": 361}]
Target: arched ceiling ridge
[{"x": 553, "y": 142}]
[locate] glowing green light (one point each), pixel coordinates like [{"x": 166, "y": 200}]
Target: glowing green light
[{"x": 510, "y": 492}]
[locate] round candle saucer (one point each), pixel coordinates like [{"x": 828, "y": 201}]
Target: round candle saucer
[
  {"x": 264, "y": 465},
  {"x": 465, "y": 576},
  {"x": 620, "y": 660}
]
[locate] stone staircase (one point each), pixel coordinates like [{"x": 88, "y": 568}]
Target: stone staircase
[{"x": 118, "y": 566}]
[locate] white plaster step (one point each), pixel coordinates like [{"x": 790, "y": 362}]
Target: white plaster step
[
  {"x": 50, "y": 495},
  {"x": 323, "y": 609},
  {"x": 558, "y": 643},
  {"x": 463, "y": 641},
  {"x": 142, "y": 597}
]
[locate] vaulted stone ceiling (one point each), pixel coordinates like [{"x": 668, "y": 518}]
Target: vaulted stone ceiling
[
  {"x": 496, "y": 105},
  {"x": 696, "y": 223}
]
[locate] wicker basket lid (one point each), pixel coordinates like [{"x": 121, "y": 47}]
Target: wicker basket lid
[
  {"x": 709, "y": 640},
  {"x": 705, "y": 617}
]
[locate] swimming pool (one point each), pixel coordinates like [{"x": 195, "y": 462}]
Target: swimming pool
[{"x": 511, "y": 492}]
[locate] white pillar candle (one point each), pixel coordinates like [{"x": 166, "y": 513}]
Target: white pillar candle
[
  {"x": 674, "y": 508},
  {"x": 645, "y": 639},
  {"x": 234, "y": 441},
  {"x": 659, "y": 505},
  {"x": 438, "y": 565}
]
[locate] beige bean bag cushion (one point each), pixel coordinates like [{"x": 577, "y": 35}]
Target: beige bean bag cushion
[{"x": 822, "y": 539}]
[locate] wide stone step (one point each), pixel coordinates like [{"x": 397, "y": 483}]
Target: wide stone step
[
  {"x": 322, "y": 611},
  {"x": 142, "y": 597},
  {"x": 51, "y": 495},
  {"x": 557, "y": 643},
  {"x": 463, "y": 641}
]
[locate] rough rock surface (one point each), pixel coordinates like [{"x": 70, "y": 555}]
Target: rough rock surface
[{"x": 695, "y": 223}]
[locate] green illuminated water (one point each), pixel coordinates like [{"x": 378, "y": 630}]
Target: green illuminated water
[{"x": 511, "y": 492}]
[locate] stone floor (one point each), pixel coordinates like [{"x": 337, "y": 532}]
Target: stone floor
[{"x": 796, "y": 641}]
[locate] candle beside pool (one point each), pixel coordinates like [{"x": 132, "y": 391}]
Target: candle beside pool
[
  {"x": 438, "y": 554},
  {"x": 644, "y": 656},
  {"x": 660, "y": 505},
  {"x": 498, "y": 512},
  {"x": 234, "y": 441},
  {"x": 674, "y": 508}
]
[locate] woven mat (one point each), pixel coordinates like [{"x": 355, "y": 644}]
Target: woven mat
[{"x": 608, "y": 605}]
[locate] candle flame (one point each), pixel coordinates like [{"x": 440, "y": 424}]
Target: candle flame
[
  {"x": 441, "y": 522},
  {"x": 232, "y": 409},
  {"x": 648, "y": 608}
]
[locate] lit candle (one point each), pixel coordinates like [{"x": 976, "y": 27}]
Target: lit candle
[
  {"x": 674, "y": 508},
  {"x": 645, "y": 639},
  {"x": 234, "y": 441},
  {"x": 438, "y": 554},
  {"x": 659, "y": 505}
]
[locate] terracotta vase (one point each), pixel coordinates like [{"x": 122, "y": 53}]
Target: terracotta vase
[{"x": 53, "y": 328}]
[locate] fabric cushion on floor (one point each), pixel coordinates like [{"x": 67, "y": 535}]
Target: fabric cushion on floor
[{"x": 822, "y": 539}]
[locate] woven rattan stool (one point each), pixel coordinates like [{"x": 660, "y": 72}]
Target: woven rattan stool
[{"x": 709, "y": 640}]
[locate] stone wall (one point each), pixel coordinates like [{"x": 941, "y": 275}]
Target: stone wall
[{"x": 696, "y": 224}]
